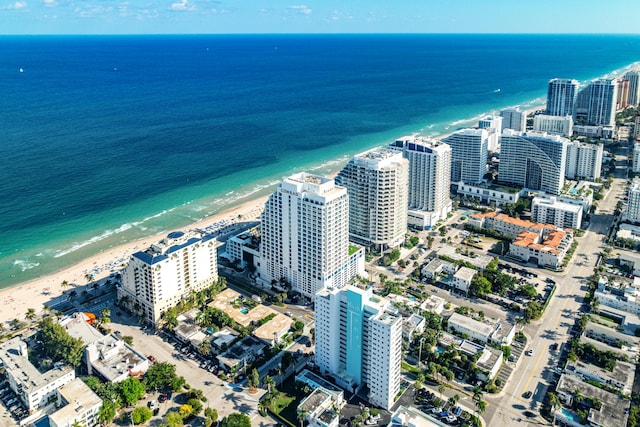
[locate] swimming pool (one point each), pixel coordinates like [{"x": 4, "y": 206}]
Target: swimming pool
[
  {"x": 570, "y": 415},
  {"x": 244, "y": 310}
]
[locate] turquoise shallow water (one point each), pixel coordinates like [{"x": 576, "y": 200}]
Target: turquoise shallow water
[{"x": 108, "y": 139}]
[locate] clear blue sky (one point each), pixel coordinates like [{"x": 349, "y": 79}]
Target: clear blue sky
[{"x": 317, "y": 16}]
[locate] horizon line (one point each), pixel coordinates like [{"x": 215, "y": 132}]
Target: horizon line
[{"x": 319, "y": 34}]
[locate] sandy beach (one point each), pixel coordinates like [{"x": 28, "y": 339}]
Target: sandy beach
[
  {"x": 48, "y": 290},
  {"x": 16, "y": 300}
]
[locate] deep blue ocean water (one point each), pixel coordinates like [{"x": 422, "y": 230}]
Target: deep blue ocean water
[{"x": 107, "y": 139}]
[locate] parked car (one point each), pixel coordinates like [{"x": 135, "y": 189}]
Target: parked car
[
  {"x": 527, "y": 394},
  {"x": 529, "y": 352}
]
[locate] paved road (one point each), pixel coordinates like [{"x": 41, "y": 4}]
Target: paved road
[{"x": 534, "y": 373}]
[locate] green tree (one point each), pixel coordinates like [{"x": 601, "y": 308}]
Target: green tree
[
  {"x": 131, "y": 390},
  {"x": 196, "y": 406},
  {"x": 105, "y": 316},
  {"x": 106, "y": 412},
  {"x": 211, "y": 413},
  {"x": 31, "y": 314},
  {"x": 58, "y": 344},
  {"x": 141, "y": 415},
  {"x": 160, "y": 375},
  {"x": 128, "y": 339},
  {"x": 480, "y": 285},
  {"x": 236, "y": 420},
  {"x": 533, "y": 310},
  {"x": 253, "y": 379},
  {"x": 173, "y": 419},
  {"x": 555, "y": 403}
]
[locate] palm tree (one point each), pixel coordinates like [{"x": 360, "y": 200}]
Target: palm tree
[
  {"x": 481, "y": 406},
  {"x": 477, "y": 395},
  {"x": 555, "y": 403},
  {"x": 302, "y": 413},
  {"x": 64, "y": 284},
  {"x": 205, "y": 348},
  {"x": 88, "y": 277},
  {"x": 95, "y": 287},
  {"x": 31, "y": 314},
  {"x": 268, "y": 381},
  {"x": 441, "y": 390}
]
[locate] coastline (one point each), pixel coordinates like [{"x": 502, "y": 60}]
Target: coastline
[{"x": 48, "y": 289}]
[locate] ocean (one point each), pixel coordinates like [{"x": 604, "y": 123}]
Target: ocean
[{"x": 106, "y": 139}]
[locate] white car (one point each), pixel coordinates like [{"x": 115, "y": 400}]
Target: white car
[{"x": 529, "y": 352}]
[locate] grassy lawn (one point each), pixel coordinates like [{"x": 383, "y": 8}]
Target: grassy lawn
[
  {"x": 353, "y": 249},
  {"x": 287, "y": 404},
  {"x": 410, "y": 368}
]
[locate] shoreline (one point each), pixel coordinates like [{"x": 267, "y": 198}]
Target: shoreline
[{"x": 48, "y": 289}]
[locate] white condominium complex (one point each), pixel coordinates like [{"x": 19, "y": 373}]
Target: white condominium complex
[
  {"x": 514, "y": 118},
  {"x": 601, "y": 96},
  {"x": 632, "y": 211},
  {"x": 157, "y": 278},
  {"x": 583, "y": 160},
  {"x": 305, "y": 235},
  {"x": 493, "y": 125},
  {"x": 359, "y": 342},
  {"x": 553, "y": 211},
  {"x": 634, "y": 87},
  {"x": 533, "y": 160},
  {"x": 429, "y": 179},
  {"x": 561, "y": 96},
  {"x": 635, "y": 164},
  {"x": 377, "y": 182},
  {"x": 554, "y": 125},
  {"x": 469, "y": 148}
]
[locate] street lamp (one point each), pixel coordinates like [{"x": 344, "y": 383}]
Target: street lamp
[{"x": 420, "y": 353}]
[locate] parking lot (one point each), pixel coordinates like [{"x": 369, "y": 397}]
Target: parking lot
[{"x": 12, "y": 410}]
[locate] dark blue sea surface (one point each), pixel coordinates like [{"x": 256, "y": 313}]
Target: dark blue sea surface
[{"x": 108, "y": 139}]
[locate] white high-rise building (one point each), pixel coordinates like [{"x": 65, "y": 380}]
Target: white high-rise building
[
  {"x": 634, "y": 87},
  {"x": 553, "y": 211},
  {"x": 584, "y": 161},
  {"x": 493, "y": 125},
  {"x": 359, "y": 342},
  {"x": 429, "y": 179},
  {"x": 632, "y": 211},
  {"x": 305, "y": 235},
  {"x": 533, "y": 160},
  {"x": 554, "y": 125},
  {"x": 378, "y": 186},
  {"x": 635, "y": 164},
  {"x": 469, "y": 148},
  {"x": 158, "y": 277},
  {"x": 514, "y": 118},
  {"x": 602, "y": 95},
  {"x": 561, "y": 96}
]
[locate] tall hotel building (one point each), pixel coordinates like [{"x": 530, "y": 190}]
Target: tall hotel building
[
  {"x": 377, "y": 182},
  {"x": 601, "y": 97},
  {"x": 583, "y": 160},
  {"x": 157, "y": 278},
  {"x": 561, "y": 96},
  {"x": 632, "y": 211},
  {"x": 536, "y": 161},
  {"x": 634, "y": 87},
  {"x": 359, "y": 342},
  {"x": 469, "y": 148},
  {"x": 305, "y": 235},
  {"x": 429, "y": 179},
  {"x": 514, "y": 118}
]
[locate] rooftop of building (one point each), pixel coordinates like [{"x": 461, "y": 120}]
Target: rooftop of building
[
  {"x": 405, "y": 416},
  {"x": 466, "y": 132},
  {"x": 276, "y": 326},
  {"x": 465, "y": 273},
  {"x": 614, "y": 411},
  {"x": 78, "y": 398},
  {"x": 554, "y": 203},
  {"x": 508, "y": 219},
  {"x": 622, "y": 373},
  {"x": 314, "y": 380},
  {"x": 493, "y": 187},
  {"x": 174, "y": 241},
  {"x": 226, "y": 301},
  {"x": 317, "y": 399},
  {"x": 611, "y": 332},
  {"x": 76, "y": 325},
  {"x": 13, "y": 353},
  {"x": 116, "y": 358},
  {"x": 243, "y": 349},
  {"x": 419, "y": 143},
  {"x": 471, "y": 324},
  {"x": 489, "y": 357},
  {"x": 481, "y": 260},
  {"x": 467, "y": 347},
  {"x": 225, "y": 335},
  {"x": 433, "y": 303}
]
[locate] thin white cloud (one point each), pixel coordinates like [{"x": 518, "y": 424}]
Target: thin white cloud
[
  {"x": 336, "y": 15},
  {"x": 15, "y": 6},
  {"x": 183, "y": 5},
  {"x": 301, "y": 9},
  {"x": 50, "y": 3},
  {"x": 89, "y": 11}
]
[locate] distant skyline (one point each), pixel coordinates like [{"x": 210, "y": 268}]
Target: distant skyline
[{"x": 316, "y": 16}]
